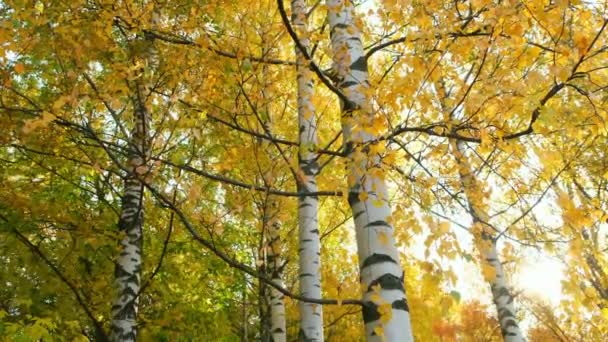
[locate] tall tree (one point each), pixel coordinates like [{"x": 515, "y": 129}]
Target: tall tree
[
  {"x": 127, "y": 280},
  {"x": 486, "y": 243},
  {"x": 273, "y": 266},
  {"x": 385, "y": 309},
  {"x": 311, "y": 315}
]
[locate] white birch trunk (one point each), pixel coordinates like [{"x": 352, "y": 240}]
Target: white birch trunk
[
  {"x": 503, "y": 300},
  {"x": 273, "y": 253},
  {"x": 127, "y": 277},
  {"x": 311, "y": 315},
  {"x": 385, "y": 310},
  {"x": 278, "y": 330}
]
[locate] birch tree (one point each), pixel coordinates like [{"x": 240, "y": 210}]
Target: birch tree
[
  {"x": 311, "y": 315},
  {"x": 486, "y": 243},
  {"x": 129, "y": 262},
  {"x": 385, "y": 311}
]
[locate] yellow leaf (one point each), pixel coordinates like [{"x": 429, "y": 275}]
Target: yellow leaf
[
  {"x": 379, "y": 330},
  {"x": 377, "y": 149},
  {"x": 39, "y": 7},
  {"x": 489, "y": 272},
  {"x": 383, "y": 238},
  {"x": 377, "y": 203},
  {"x": 363, "y": 196},
  {"x": 375, "y": 298},
  {"x": 19, "y": 68},
  {"x": 444, "y": 227}
]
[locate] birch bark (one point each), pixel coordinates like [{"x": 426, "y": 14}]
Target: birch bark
[
  {"x": 386, "y": 312},
  {"x": 311, "y": 315},
  {"x": 501, "y": 296},
  {"x": 127, "y": 275}
]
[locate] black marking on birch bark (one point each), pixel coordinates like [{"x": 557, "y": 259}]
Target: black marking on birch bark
[
  {"x": 121, "y": 336},
  {"x": 303, "y": 338},
  {"x": 510, "y": 323},
  {"x": 501, "y": 292},
  {"x": 314, "y": 231},
  {"x": 128, "y": 291},
  {"x": 349, "y": 84},
  {"x": 370, "y": 312},
  {"x": 370, "y": 309},
  {"x": 306, "y": 275},
  {"x": 377, "y": 259},
  {"x": 348, "y": 108},
  {"x": 401, "y": 304},
  {"x": 360, "y": 64},
  {"x": 387, "y": 282},
  {"x": 338, "y": 26},
  {"x": 304, "y": 205},
  {"x": 353, "y": 198},
  {"x": 379, "y": 223},
  {"x": 357, "y": 214},
  {"x": 506, "y": 318},
  {"x": 120, "y": 272},
  {"x": 124, "y": 313},
  {"x": 309, "y": 167}
]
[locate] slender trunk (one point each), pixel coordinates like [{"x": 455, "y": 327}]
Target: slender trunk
[
  {"x": 272, "y": 227},
  {"x": 245, "y": 312},
  {"x": 128, "y": 265},
  {"x": 127, "y": 276},
  {"x": 385, "y": 310},
  {"x": 311, "y": 315},
  {"x": 274, "y": 266},
  {"x": 502, "y": 297},
  {"x": 263, "y": 307}
]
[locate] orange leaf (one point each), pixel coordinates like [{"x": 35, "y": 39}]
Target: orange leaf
[{"x": 19, "y": 68}]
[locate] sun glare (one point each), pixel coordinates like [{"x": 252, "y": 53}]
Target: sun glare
[{"x": 541, "y": 277}]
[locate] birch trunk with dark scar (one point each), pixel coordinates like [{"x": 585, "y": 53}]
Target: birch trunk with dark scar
[
  {"x": 385, "y": 310},
  {"x": 128, "y": 265},
  {"x": 501, "y": 296},
  {"x": 311, "y": 315},
  {"x": 127, "y": 277}
]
